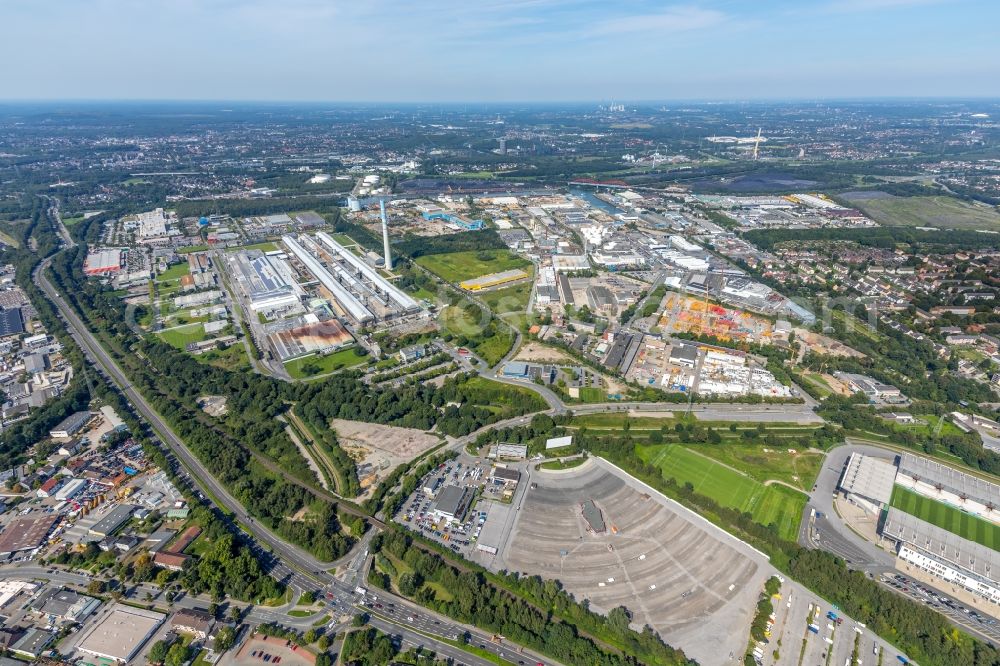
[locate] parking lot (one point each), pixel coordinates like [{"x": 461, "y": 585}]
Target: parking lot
[
  {"x": 953, "y": 609},
  {"x": 692, "y": 583},
  {"x": 417, "y": 511},
  {"x": 830, "y": 643},
  {"x": 259, "y": 650}
]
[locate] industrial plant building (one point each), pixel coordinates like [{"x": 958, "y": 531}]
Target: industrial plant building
[
  {"x": 358, "y": 289},
  {"x": 493, "y": 280},
  {"x": 121, "y": 633},
  {"x": 266, "y": 281},
  {"x": 452, "y": 503},
  {"x": 103, "y": 261}
]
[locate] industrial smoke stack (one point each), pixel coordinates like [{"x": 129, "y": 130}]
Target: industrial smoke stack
[{"x": 385, "y": 235}]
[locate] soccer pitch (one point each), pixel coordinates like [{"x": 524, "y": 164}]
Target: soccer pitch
[
  {"x": 947, "y": 517},
  {"x": 767, "y": 504}
]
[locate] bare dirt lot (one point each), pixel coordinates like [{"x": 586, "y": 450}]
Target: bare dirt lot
[
  {"x": 690, "y": 581},
  {"x": 380, "y": 446},
  {"x": 534, "y": 352}
]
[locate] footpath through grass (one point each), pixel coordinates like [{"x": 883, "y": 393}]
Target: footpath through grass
[
  {"x": 947, "y": 517},
  {"x": 768, "y": 505}
]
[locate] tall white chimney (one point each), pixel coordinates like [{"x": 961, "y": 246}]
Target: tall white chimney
[{"x": 385, "y": 235}]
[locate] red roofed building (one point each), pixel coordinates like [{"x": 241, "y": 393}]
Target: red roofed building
[
  {"x": 172, "y": 561},
  {"x": 48, "y": 487}
]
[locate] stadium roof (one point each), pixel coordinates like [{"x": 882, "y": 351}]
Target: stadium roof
[
  {"x": 942, "y": 544},
  {"x": 871, "y": 478},
  {"x": 950, "y": 479}
]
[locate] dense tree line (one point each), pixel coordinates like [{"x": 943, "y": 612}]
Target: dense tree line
[
  {"x": 16, "y": 439},
  {"x": 881, "y": 237},
  {"x": 516, "y": 612},
  {"x": 923, "y": 634},
  {"x": 854, "y": 415},
  {"x": 464, "y": 241},
  {"x": 895, "y": 358}
]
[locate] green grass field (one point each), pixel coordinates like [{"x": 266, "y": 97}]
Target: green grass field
[
  {"x": 180, "y": 336},
  {"x": 943, "y": 212},
  {"x": 232, "y": 358},
  {"x": 508, "y": 299},
  {"x": 263, "y": 247},
  {"x": 311, "y": 366},
  {"x": 767, "y": 504},
  {"x": 947, "y": 517},
  {"x": 459, "y": 266},
  {"x": 816, "y": 381},
  {"x": 799, "y": 470},
  {"x": 175, "y": 272},
  {"x": 592, "y": 394}
]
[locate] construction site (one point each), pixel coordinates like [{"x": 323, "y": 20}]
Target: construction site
[{"x": 696, "y": 316}]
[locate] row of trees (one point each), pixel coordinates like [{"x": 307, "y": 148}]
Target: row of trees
[
  {"x": 923, "y": 634},
  {"x": 533, "y": 613},
  {"x": 16, "y": 439},
  {"x": 884, "y": 237}
]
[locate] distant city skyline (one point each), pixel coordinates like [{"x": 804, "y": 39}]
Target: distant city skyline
[{"x": 495, "y": 51}]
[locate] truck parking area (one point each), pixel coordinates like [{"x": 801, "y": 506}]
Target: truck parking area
[
  {"x": 422, "y": 512},
  {"x": 814, "y": 633}
]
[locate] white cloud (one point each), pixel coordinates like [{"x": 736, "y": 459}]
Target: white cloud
[
  {"x": 858, "y": 6},
  {"x": 675, "y": 19}
]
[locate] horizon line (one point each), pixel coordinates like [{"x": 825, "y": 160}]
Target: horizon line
[{"x": 607, "y": 100}]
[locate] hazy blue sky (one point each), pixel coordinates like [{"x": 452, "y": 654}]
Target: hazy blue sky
[{"x": 493, "y": 50}]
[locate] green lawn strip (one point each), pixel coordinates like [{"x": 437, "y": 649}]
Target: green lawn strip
[
  {"x": 266, "y": 246},
  {"x": 301, "y": 613},
  {"x": 947, "y": 517},
  {"x": 559, "y": 464}
]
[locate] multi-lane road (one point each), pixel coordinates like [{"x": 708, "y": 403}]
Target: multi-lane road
[{"x": 289, "y": 563}]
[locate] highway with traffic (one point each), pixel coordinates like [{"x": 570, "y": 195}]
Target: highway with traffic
[
  {"x": 821, "y": 527},
  {"x": 287, "y": 562}
]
